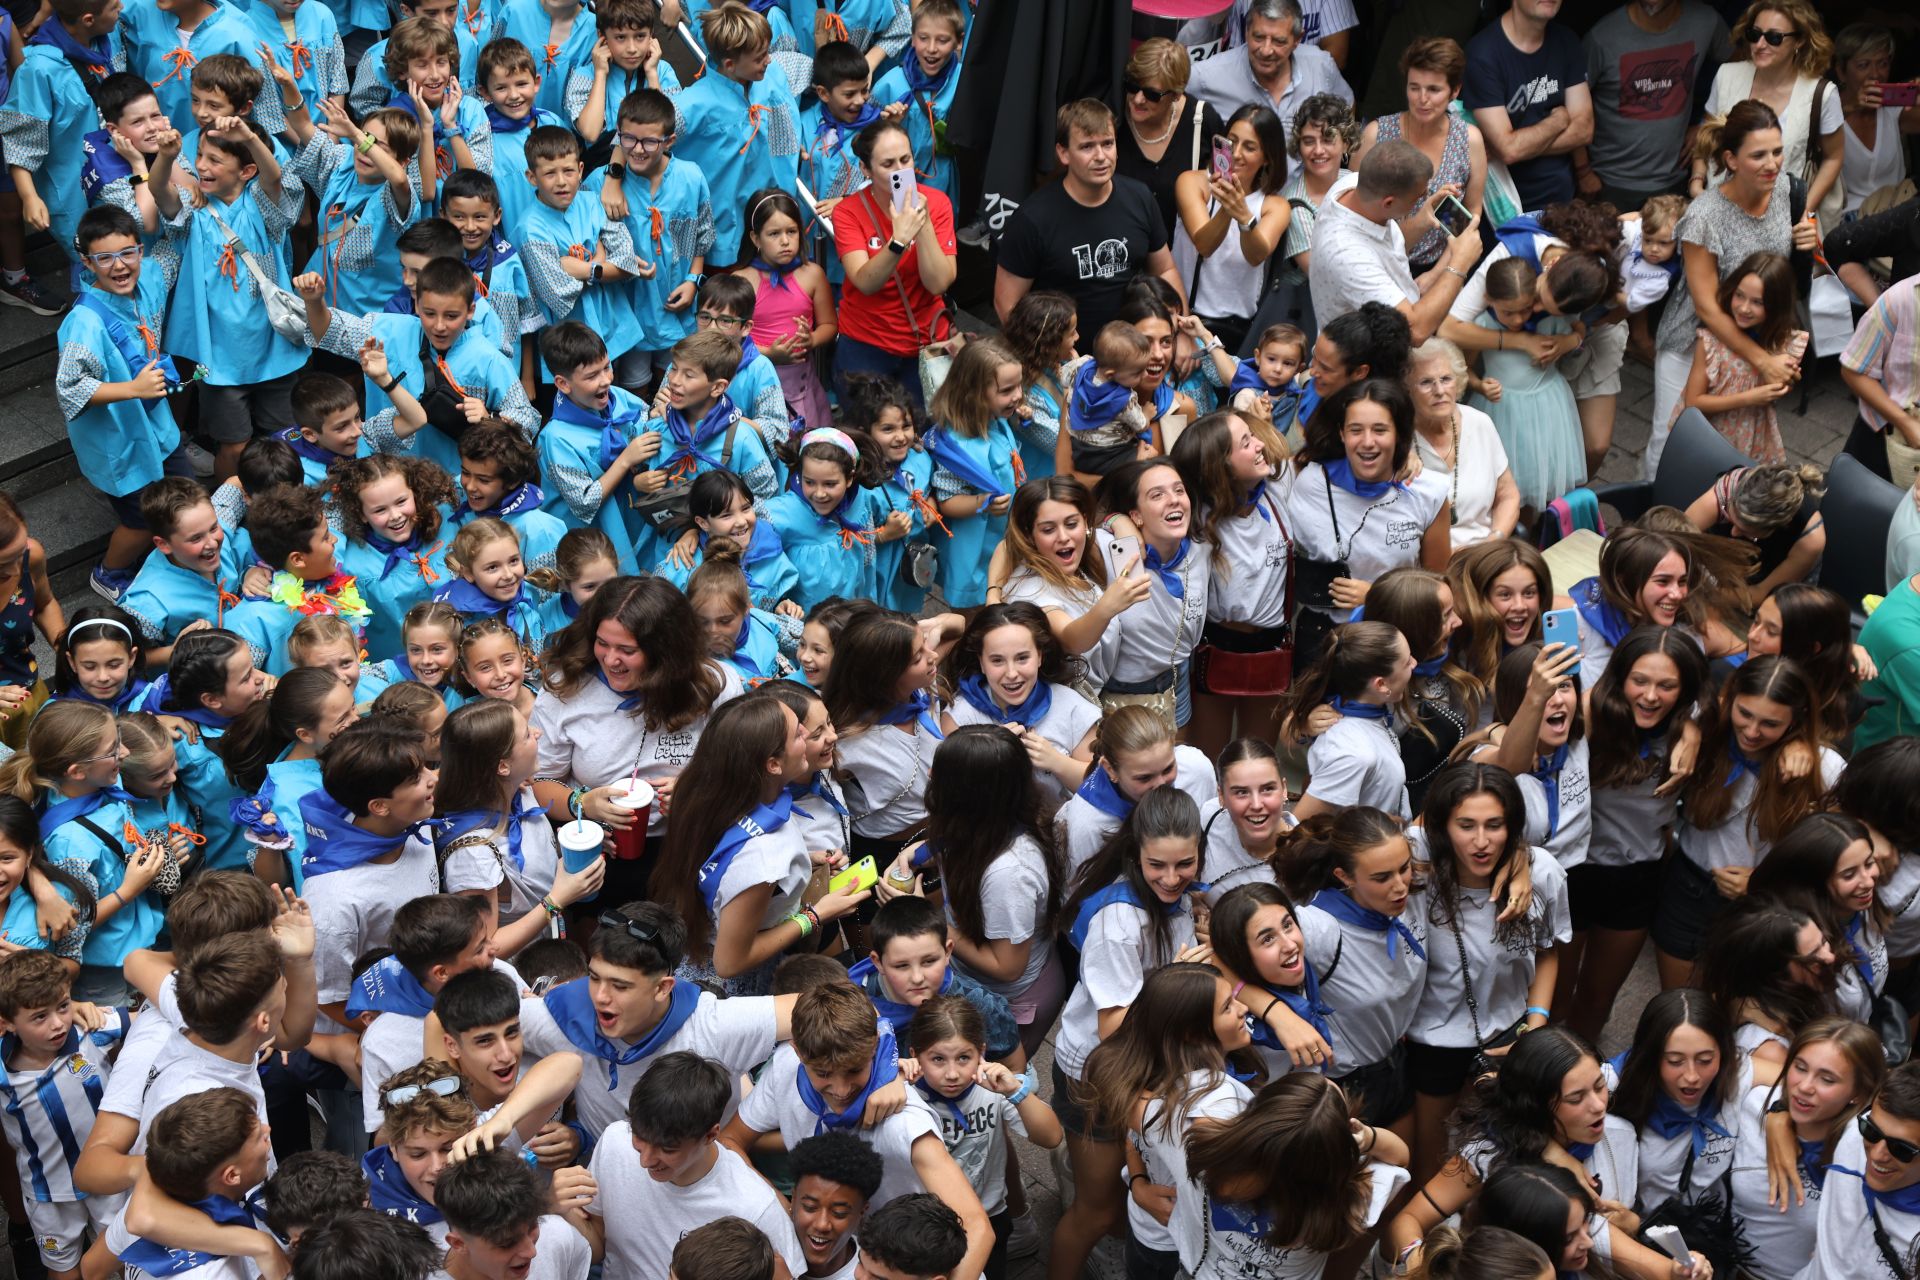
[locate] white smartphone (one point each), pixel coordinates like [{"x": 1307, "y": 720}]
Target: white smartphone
[
  {"x": 904, "y": 185},
  {"x": 1124, "y": 550}
]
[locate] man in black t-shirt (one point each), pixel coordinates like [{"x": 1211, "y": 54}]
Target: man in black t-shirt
[
  {"x": 1526, "y": 86},
  {"x": 1086, "y": 235}
]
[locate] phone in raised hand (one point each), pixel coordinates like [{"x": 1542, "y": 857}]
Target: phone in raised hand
[
  {"x": 1453, "y": 216},
  {"x": 1125, "y": 550},
  {"x": 1560, "y": 626},
  {"x": 904, "y": 187}
]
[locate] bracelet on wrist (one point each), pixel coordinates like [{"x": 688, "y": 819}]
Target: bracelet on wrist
[
  {"x": 364, "y": 143},
  {"x": 800, "y": 920},
  {"x": 547, "y": 905},
  {"x": 1133, "y": 1178},
  {"x": 1534, "y": 1008},
  {"x": 1025, "y": 1091},
  {"x": 386, "y": 388},
  {"x": 1269, "y": 1009},
  {"x": 1455, "y": 271}
]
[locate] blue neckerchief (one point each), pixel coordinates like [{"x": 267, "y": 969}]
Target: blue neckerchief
[
  {"x": 1247, "y": 378},
  {"x": 334, "y": 843},
  {"x": 1238, "y": 1218},
  {"x": 1305, "y": 1002},
  {"x": 748, "y": 354},
  {"x": 1028, "y": 714},
  {"x": 1253, "y": 501},
  {"x": 1812, "y": 1164},
  {"x": 1739, "y": 762},
  {"x": 866, "y": 976},
  {"x": 1120, "y": 890},
  {"x": 1094, "y": 404},
  {"x": 1581, "y": 1151},
  {"x": 951, "y": 452},
  {"x": 1340, "y": 471},
  {"x": 96, "y": 53},
  {"x": 103, "y": 165},
  {"x": 838, "y": 515},
  {"x": 160, "y": 694},
  {"x": 1591, "y": 601},
  {"x": 764, "y": 819},
  {"x": 1432, "y": 666},
  {"x": 129, "y": 694},
  {"x": 756, "y": 660},
  {"x": 404, "y": 102},
  {"x": 944, "y": 1103},
  {"x": 1905, "y": 1200},
  {"x": 495, "y": 251},
  {"x": 156, "y": 1259},
  {"x": 1362, "y": 710},
  {"x": 387, "y": 987},
  {"x": 1165, "y": 569},
  {"x": 503, "y": 123},
  {"x": 918, "y": 707},
  {"x": 1670, "y": 1120},
  {"x": 309, "y": 450},
  {"x": 1344, "y": 909},
  {"x": 396, "y": 553},
  {"x": 469, "y": 600},
  {"x": 1100, "y": 792},
  {"x": 1862, "y": 962},
  {"x": 765, "y": 544},
  {"x": 818, "y": 787},
  {"x": 467, "y": 821},
  {"x": 628, "y": 701},
  {"x": 391, "y": 1193},
  {"x": 885, "y": 1070},
  {"x": 518, "y": 500},
  {"x": 58, "y": 813},
  {"x": 612, "y": 427},
  {"x": 1517, "y": 235},
  {"x": 131, "y": 347},
  {"x": 572, "y": 1010},
  {"x": 1531, "y": 326},
  {"x": 401, "y": 303},
  {"x": 834, "y": 132},
  {"x": 776, "y": 276},
  {"x": 568, "y": 605},
  {"x": 686, "y": 439},
  {"x": 918, "y": 81},
  {"x": 1546, "y": 771},
  {"x": 1309, "y": 403}
]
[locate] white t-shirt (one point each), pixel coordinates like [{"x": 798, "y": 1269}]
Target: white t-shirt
[
  {"x": 884, "y": 769},
  {"x": 1854, "y": 991},
  {"x": 564, "y": 1253},
  {"x": 487, "y": 865},
  {"x": 1025, "y": 584},
  {"x": 1900, "y": 893},
  {"x": 1164, "y": 1153},
  {"x": 1662, "y": 1159},
  {"x": 1227, "y": 863},
  {"x": 119, "y": 1240},
  {"x": 645, "y": 1217},
  {"x": 1068, "y": 718},
  {"x": 1357, "y": 762},
  {"x": 1373, "y": 995},
  {"x": 1213, "y": 1239},
  {"x": 1114, "y": 963},
  {"x": 393, "y": 1042},
  {"x": 974, "y": 1129},
  {"x": 1502, "y": 968},
  {"x": 184, "y": 1069},
  {"x": 1782, "y": 1242},
  {"x": 1482, "y": 461},
  {"x": 1013, "y": 902},
  {"x": 1844, "y": 1247},
  {"x": 1749, "y": 1037},
  {"x": 587, "y": 740},
  {"x": 353, "y": 912},
  {"x": 778, "y": 858},
  {"x": 1573, "y": 790},
  {"x": 1734, "y": 843},
  {"x": 1375, "y": 534},
  {"x": 1252, "y": 589},
  {"x": 154, "y": 1029},
  {"x": 1472, "y": 298},
  {"x": 1083, "y": 828},
  {"x": 1356, "y": 260},
  {"x": 1159, "y": 633},
  {"x": 737, "y": 1033},
  {"x": 775, "y": 1106}
]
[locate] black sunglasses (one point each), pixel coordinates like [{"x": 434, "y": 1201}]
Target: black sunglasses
[
  {"x": 1899, "y": 1148},
  {"x": 634, "y": 929},
  {"x": 1151, "y": 95},
  {"x": 1774, "y": 38}
]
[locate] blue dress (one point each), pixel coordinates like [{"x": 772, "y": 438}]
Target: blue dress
[
  {"x": 163, "y": 598},
  {"x": 1536, "y": 418},
  {"x": 156, "y": 53},
  {"x": 204, "y": 784},
  {"x": 510, "y": 161},
  {"x": 905, "y": 490},
  {"x": 990, "y": 466},
  {"x": 359, "y": 224},
  {"x": 548, "y": 235},
  {"x": 834, "y": 553},
  {"x": 314, "y": 54},
  {"x": 217, "y": 316}
]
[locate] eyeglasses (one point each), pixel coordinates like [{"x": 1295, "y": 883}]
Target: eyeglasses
[
  {"x": 720, "y": 321},
  {"x": 638, "y": 930},
  {"x": 1151, "y": 95},
  {"x": 444, "y": 1087},
  {"x": 1899, "y": 1148},
  {"x": 1774, "y": 38},
  {"x": 645, "y": 146},
  {"x": 108, "y": 755},
  {"x": 101, "y": 261}
]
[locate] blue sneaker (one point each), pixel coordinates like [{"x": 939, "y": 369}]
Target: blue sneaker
[{"x": 110, "y": 583}]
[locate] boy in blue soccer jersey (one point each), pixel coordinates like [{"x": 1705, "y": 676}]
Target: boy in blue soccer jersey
[
  {"x": 510, "y": 85},
  {"x": 358, "y": 173},
  {"x": 560, "y": 34},
  {"x": 842, "y": 107},
  {"x": 191, "y": 579},
  {"x": 737, "y": 124},
  {"x": 56, "y": 1072},
  {"x": 579, "y": 260},
  {"x": 665, "y": 206},
  {"x": 626, "y": 59},
  {"x": 594, "y": 454},
  {"x": 113, "y": 381},
  {"x": 49, "y": 110},
  {"x": 166, "y": 39},
  {"x": 470, "y": 201},
  {"x": 925, "y": 82},
  {"x": 303, "y": 41},
  {"x": 218, "y": 316},
  {"x": 372, "y": 86}
]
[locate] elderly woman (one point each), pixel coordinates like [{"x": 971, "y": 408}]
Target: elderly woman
[
  {"x": 1782, "y": 53},
  {"x": 1434, "y": 68},
  {"x": 1459, "y": 446},
  {"x": 1230, "y": 226},
  {"x": 1167, "y": 132}
]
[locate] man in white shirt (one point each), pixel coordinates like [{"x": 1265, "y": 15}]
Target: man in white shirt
[
  {"x": 1273, "y": 68},
  {"x": 835, "y": 1177},
  {"x": 495, "y": 1230},
  {"x": 1361, "y": 235},
  {"x": 1870, "y": 1205}
]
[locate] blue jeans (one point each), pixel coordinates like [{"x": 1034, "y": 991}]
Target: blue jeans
[{"x": 855, "y": 356}]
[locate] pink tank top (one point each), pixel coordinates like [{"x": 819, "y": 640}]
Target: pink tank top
[{"x": 775, "y": 310}]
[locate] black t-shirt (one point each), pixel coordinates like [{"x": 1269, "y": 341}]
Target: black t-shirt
[
  {"x": 1175, "y": 160},
  {"x": 1529, "y": 86},
  {"x": 1087, "y": 254}
]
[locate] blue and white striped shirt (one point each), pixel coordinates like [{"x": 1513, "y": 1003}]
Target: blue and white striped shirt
[{"x": 49, "y": 1111}]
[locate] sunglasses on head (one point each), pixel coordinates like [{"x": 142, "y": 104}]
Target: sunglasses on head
[
  {"x": 1774, "y": 38},
  {"x": 444, "y": 1086},
  {"x": 1151, "y": 95},
  {"x": 635, "y": 929},
  {"x": 1899, "y": 1148}
]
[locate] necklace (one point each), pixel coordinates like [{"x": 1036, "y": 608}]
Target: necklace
[
  {"x": 1453, "y": 503},
  {"x": 1145, "y": 141}
]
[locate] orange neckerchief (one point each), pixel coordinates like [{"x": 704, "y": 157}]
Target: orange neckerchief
[
  {"x": 422, "y": 557},
  {"x": 553, "y": 53},
  {"x": 299, "y": 56},
  {"x": 929, "y": 510},
  {"x": 182, "y": 61},
  {"x": 187, "y": 833},
  {"x": 332, "y": 269},
  {"x": 656, "y": 224},
  {"x": 149, "y": 337},
  {"x": 226, "y": 598},
  {"x": 1019, "y": 470},
  {"x": 230, "y": 265},
  {"x": 755, "y": 112},
  {"x": 473, "y": 17},
  {"x": 850, "y": 536}
]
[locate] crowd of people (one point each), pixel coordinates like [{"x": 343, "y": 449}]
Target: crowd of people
[{"x": 618, "y": 736}]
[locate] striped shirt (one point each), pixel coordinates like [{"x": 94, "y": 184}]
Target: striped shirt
[
  {"x": 49, "y": 1111},
  {"x": 1886, "y": 347}
]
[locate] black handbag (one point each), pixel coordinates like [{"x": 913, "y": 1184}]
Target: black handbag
[
  {"x": 1889, "y": 1020},
  {"x": 1483, "y": 1063},
  {"x": 1708, "y": 1222}
]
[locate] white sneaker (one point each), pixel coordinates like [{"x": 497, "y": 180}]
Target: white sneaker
[
  {"x": 202, "y": 460},
  {"x": 975, "y": 234},
  {"x": 1023, "y": 1240}
]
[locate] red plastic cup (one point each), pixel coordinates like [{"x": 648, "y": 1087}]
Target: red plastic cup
[{"x": 632, "y": 842}]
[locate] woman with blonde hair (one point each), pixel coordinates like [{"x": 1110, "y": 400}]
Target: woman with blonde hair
[
  {"x": 1782, "y": 56},
  {"x": 1166, "y": 132}
]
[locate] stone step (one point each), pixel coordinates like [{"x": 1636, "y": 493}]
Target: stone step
[{"x": 38, "y": 470}]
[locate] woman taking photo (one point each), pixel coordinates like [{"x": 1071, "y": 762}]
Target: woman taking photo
[
  {"x": 1167, "y": 133},
  {"x": 1826, "y": 864},
  {"x": 1474, "y": 835},
  {"x": 1352, "y": 873},
  {"x": 625, "y": 693},
  {"x": 1352, "y": 520},
  {"x": 1460, "y": 446},
  {"x": 1241, "y": 498},
  {"x": 1771, "y": 968},
  {"x": 1746, "y": 212},
  {"x": 1132, "y": 913},
  {"x": 1435, "y": 68},
  {"x": 1245, "y": 823},
  {"x": 893, "y": 302},
  {"x": 1641, "y": 743},
  {"x": 1748, "y": 791},
  {"x": 1540, "y": 738},
  {"x": 889, "y": 728},
  {"x": 1008, "y": 669},
  {"x": 1874, "y": 145},
  {"x": 1228, "y": 227},
  {"x": 1159, "y": 635},
  {"x": 1133, "y": 752}
]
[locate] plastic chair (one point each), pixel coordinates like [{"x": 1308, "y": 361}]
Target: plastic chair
[
  {"x": 1696, "y": 455},
  {"x": 1858, "y": 509}
]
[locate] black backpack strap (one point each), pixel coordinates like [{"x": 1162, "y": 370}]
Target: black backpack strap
[
  {"x": 726, "y": 446},
  {"x": 1339, "y": 945},
  {"x": 113, "y": 846}
]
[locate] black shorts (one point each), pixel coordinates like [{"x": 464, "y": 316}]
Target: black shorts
[
  {"x": 1688, "y": 907},
  {"x": 126, "y": 506},
  {"x": 1074, "y": 1117},
  {"x": 1383, "y": 1090},
  {"x": 1438, "y": 1071},
  {"x": 1617, "y": 898}
]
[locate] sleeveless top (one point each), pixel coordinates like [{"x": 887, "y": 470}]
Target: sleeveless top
[
  {"x": 774, "y": 310},
  {"x": 17, "y": 663},
  {"x": 1225, "y": 283},
  {"x": 1776, "y": 546},
  {"x": 1456, "y": 165}
]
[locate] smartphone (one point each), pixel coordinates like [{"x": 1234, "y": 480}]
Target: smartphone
[
  {"x": 1222, "y": 157},
  {"x": 1124, "y": 550},
  {"x": 1561, "y": 626},
  {"x": 861, "y": 875},
  {"x": 905, "y": 186},
  {"x": 1453, "y": 216},
  {"x": 1900, "y": 95}
]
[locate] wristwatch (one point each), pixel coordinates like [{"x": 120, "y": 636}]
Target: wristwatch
[
  {"x": 1253, "y": 220},
  {"x": 897, "y": 248},
  {"x": 136, "y": 179},
  {"x": 596, "y": 272},
  {"x": 616, "y": 172}
]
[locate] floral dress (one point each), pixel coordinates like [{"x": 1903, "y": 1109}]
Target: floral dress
[
  {"x": 1456, "y": 166},
  {"x": 1754, "y": 430}
]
